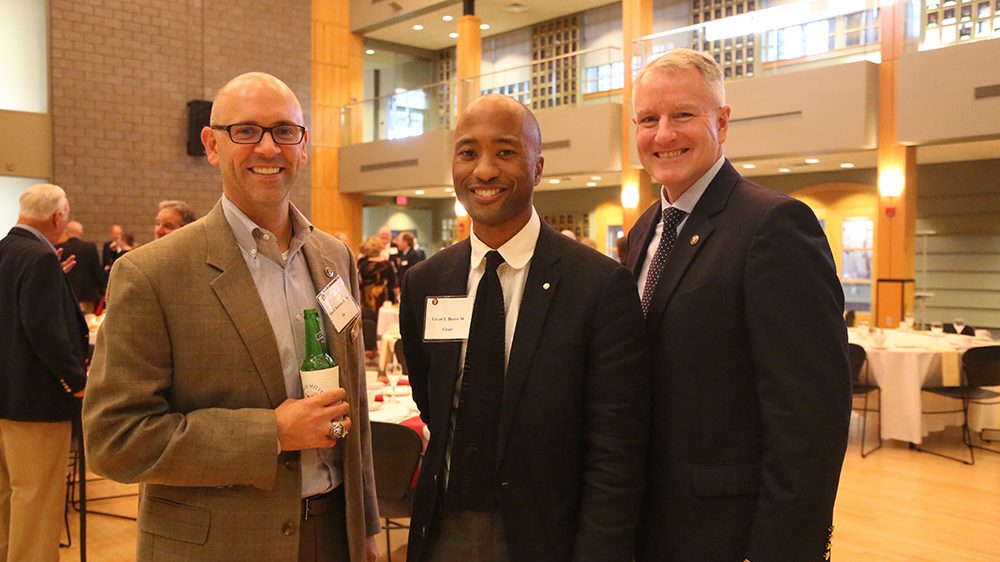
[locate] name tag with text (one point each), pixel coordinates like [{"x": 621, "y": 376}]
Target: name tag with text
[
  {"x": 447, "y": 318},
  {"x": 338, "y": 303}
]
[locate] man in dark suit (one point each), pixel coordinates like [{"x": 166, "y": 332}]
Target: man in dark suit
[
  {"x": 538, "y": 417},
  {"x": 751, "y": 385},
  {"x": 87, "y": 277},
  {"x": 408, "y": 256},
  {"x": 43, "y": 350}
]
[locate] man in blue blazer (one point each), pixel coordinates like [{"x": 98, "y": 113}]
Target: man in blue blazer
[
  {"x": 43, "y": 349},
  {"x": 533, "y": 382},
  {"x": 751, "y": 384}
]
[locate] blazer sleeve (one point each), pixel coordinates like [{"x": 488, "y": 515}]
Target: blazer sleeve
[
  {"x": 794, "y": 304},
  {"x": 42, "y": 304},
  {"x": 617, "y": 424},
  {"x": 133, "y": 434}
]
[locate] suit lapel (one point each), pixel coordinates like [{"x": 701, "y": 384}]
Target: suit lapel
[
  {"x": 647, "y": 225},
  {"x": 238, "y": 294},
  {"x": 691, "y": 239},
  {"x": 540, "y": 287},
  {"x": 454, "y": 280}
]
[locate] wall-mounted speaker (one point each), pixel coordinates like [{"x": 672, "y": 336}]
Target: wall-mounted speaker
[{"x": 199, "y": 114}]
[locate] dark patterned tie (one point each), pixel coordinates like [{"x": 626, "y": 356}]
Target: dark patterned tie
[
  {"x": 471, "y": 480},
  {"x": 671, "y": 218}
]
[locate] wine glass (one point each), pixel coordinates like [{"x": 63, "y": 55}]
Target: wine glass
[
  {"x": 959, "y": 324},
  {"x": 937, "y": 329},
  {"x": 393, "y": 372}
]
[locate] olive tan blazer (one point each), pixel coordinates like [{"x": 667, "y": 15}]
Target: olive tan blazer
[{"x": 181, "y": 399}]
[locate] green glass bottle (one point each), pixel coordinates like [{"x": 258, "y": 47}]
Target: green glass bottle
[{"x": 319, "y": 371}]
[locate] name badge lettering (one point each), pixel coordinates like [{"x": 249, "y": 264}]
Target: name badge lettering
[
  {"x": 336, "y": 301},
  {"x": 447, "y": 318}
]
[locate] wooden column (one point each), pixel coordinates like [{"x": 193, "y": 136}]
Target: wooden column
[
  {"x": 895, "y": 237},
  {"x": 468, "y": 59},
  {"x": 336, "y": 81},
  {"x": 637, "y": 21}
]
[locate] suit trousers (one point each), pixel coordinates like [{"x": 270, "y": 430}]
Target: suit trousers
[
  {"x": 323, "y": 537},
  {"x": 33, "y": 460},
  {"x": 468, "y": 535}
]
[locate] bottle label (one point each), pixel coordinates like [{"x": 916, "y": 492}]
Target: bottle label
[{"x": 314, "y": 382}]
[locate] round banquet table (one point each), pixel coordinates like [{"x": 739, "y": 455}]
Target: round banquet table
[{"x": 908, "y": 361}]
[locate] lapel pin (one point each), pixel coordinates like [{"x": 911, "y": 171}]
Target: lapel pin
[
  {"x": 545, "y": 286},
  {"x": 329, "y": 272},
  {"x": 695, "y": 239}
]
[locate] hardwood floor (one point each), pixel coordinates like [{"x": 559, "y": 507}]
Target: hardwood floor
[{"x": 896, "y": 505}]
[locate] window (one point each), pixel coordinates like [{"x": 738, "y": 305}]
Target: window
[
  {"x": 604, "y": 77},
  {"x": 857, "y": 242},
  {"x": 406, "y": 114}
]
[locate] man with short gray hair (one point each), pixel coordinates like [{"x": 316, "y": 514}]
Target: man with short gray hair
[{"x": 43, "y": 351}]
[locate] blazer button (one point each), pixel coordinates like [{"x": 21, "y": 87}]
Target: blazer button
[
  {"x": 291, "y": 464},
  {"x": 288, "y": 529}
]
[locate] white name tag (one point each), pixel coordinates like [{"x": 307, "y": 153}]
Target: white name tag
[
  {"x": 447, "y": 318},
  {"x": 337, "y": 302}
]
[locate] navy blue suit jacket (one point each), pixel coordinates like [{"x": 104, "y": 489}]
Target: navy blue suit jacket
[{"x": 45, "y": 341}]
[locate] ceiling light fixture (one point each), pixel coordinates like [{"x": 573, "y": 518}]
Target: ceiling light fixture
[
  {"x": 595, "y": 178},
  {"x": 449, "y": 190},
  {"x": 446, "y": 18},
  {"x": 453, "y": 35},
  {"x": 554, "y": 181},
  {"x": 591, "y": 184},
  {"x": 418, "y": 27},
  {"x": 847, "y": 165},
  {"x": 784, "y": 170},
  {"x": 749, "y": 166},
  {"x": 369, "y": 51},
  {"x": 812, "y": 160},
  {"x": 419, "y": 192},
  {"x": 484, "y": 26}
]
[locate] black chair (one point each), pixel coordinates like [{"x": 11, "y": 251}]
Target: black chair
[
  {"x": 369, "y": 333},
  {"x": 949, "y": 328},
  {"x": 396, "y": 452},
  {"x": 862, "y": 387},
  {"x": 397, "y": 351},
  {"x": 850, "y": 318},
  {"x": 980, "y": 367}
]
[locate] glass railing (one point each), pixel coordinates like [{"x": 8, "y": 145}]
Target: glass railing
[
  {"x": 788, "y": 37},
  {"x": 406, "y": 113},
  {"x": 578, "y": 78},
  {"x": 933, "y": 24},
  {"x": 583, "y": 77}
]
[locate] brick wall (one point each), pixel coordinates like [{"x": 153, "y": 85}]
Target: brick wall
[{"x": 122, "y": 74}]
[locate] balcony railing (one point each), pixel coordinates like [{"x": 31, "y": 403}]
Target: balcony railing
[
  {"x": 583, "y": 77},
  {"x": 779, "y": 39}
]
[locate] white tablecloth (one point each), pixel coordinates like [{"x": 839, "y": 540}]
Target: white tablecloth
[
  {"x": 388, "y": 320},
  {"x": 907, "y": 362}
]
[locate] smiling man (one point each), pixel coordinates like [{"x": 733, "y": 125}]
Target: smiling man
[
  {"x": 196, "y": 382},
  {"x": 528, "y": 362},
  {"x": 750, "y": 381}
]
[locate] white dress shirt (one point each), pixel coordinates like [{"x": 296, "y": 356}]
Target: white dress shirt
[
  {"x": 286, "y": 289},
  {"x": 686, "y": 202},
  {"x": 513, "y": 273}
]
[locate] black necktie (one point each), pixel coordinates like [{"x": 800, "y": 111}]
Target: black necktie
[
  {"x": 671, "y": 218},
  {"x": 471, "y": 480}
]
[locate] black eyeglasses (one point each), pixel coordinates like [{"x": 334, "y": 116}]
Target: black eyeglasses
[{"x": 248, "y": 133}]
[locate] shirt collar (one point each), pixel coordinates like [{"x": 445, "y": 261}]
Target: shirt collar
[
  {"x": 687, "y": 201},
  {"x": 254, "y": 239},
  {"x": 517, "y": 251},
  {"x": 38, "y": 234}
]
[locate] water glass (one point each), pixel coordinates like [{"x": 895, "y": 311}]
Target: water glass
[
  {"x": 394, "y": 371},
  {"x": 937, "y": 329},
  {"x": 959, "y": 324}
]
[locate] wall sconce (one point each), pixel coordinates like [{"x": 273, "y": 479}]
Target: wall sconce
[
  {"x": 460, "y": 210},
  {"x": 890, "y": 186},
  {"x": 630, "y": 195}
]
